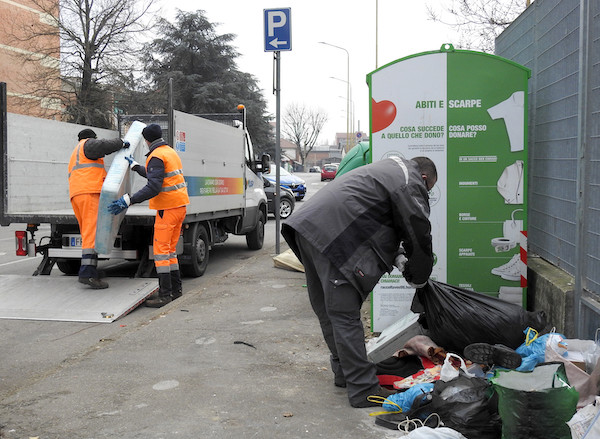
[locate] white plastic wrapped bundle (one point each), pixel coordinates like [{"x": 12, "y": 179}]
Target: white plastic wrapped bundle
[{"x": 116, "y": 184}]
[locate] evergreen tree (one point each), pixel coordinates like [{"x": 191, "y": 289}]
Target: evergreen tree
[{"x": 205, "y": 76}]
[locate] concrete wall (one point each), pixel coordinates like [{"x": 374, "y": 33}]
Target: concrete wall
[{"x": 551, "y": 289}]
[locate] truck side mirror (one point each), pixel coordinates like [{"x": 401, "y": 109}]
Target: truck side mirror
[{"x": 266, "y": 163}]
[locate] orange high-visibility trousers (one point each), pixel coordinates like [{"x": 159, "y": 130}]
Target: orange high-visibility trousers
[
  {"x": 85, "y": 207},
  {"x": 167, "y": 228}
]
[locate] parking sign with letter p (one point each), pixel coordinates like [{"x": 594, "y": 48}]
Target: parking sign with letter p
[{"x": 278, "y": 29}]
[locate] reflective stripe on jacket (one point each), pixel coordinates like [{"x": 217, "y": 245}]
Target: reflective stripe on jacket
[
  {"x": 173, "y": 192},
  {"x": 85, "y": 176}
]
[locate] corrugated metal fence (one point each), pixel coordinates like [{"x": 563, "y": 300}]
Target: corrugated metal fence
[{"x": 559, "y": 40}]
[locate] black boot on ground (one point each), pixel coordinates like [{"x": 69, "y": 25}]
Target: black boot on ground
[
  {"x": 176, "y": 291},
  {"x": 95, "y": 283},
  {"x": 164, "y": 292}
]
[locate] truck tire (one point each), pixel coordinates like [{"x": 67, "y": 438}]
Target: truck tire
[
  {"x": 69, "y": 266},
  {"x": 256, "y": 237},
  {"x": 199, "y": 252}
]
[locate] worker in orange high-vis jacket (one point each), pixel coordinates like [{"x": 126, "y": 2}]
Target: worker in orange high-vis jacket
[
  {"x": 86, "y": 176},
  {"x": 167, "y": 192}
]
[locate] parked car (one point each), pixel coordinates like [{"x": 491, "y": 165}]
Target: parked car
[
  {"x": 288, "y": 180},
  {"x": 287, "y": 200},
  {"x": 328, "y": 172},
  {"x": 314, "y": 169}
]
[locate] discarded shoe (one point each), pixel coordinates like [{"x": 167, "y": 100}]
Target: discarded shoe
[
  {"x": 499, "y": 355},
  {"x": 364, "y": 402},
  {"x": 420, "y": 412},
  {"x": 406, "y": 422},
  {"x": 158, "y": 301},
  {"x": 391, "y": 420},
  {"x": 509, "y": 271},
  {"x": 96, "y": 284}
]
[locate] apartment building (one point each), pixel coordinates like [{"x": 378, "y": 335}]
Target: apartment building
[{"x": 30, "y": 56}]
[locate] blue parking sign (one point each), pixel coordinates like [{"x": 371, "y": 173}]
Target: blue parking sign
[{"x": 278, "y": 29}]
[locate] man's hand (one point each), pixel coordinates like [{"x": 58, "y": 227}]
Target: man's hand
[
  {"x": 118, "y": 206},
  {"x": 408, "y": 278},
  {"x": 131, "y": 161},
  {"x": 126, "y": 144},
  {"x": 400, "y": 260}
]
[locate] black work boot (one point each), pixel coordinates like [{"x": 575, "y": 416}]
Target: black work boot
[
  {"x": 176, "y": 291},
  {"x": 94, "y": 282},
  {"x": 88, "y": 274},
  {"x": 164, "y": 292}
]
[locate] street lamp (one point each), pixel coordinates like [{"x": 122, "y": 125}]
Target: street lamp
[
  {"x": 352, "y": 113},
  {"x": 347, "y": 92}
]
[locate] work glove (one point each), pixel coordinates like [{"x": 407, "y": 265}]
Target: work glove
[
  {"x": 126, "y": 144},
  {"x": 118, "y": 206},
  {"x": 132, "y": 162}
]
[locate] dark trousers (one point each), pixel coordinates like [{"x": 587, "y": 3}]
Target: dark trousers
[{"x": 337, "y": 305}]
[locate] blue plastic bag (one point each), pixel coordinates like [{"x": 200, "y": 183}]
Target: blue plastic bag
[
  {"x": 533, "y": 350},
  {"x": 405, "y": 399}
]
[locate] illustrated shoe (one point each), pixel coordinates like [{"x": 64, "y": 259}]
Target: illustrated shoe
[
  {"x": 511, "y": 270},
  {"x": 364, "y": 402},
  {"x": 158, "y": 301},
  {"x": 499, "y": 355},
  {"x": 93, "y": 282}
]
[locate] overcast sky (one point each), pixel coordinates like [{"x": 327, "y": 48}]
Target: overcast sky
[{"x": 307, "y": 70}]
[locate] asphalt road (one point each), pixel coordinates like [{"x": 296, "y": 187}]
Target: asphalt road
[{"x": 240, "y": 355}]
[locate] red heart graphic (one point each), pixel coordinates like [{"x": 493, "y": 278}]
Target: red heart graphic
[{"x": 383, "y": 114}]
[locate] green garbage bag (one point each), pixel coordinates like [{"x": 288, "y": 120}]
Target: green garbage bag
[{"x": 535, "y": 404}]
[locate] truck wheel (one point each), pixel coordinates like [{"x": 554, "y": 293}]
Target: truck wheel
[
  {"x": 256, "y": 237},
  {"x": 69, "y": 266},
  {"x": 199, "y": 251}
]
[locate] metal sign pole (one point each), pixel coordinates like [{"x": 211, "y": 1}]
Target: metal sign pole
[
  {"x": 277, "y": 91},
  {"x": 278, "y": 36}
]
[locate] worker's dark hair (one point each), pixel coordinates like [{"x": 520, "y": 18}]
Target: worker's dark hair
[
  {"x": 86, "y": 134},
  {"x": 427, "y": 167}
]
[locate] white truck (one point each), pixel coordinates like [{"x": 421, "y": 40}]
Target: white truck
[{"x": 223, "y": 180}]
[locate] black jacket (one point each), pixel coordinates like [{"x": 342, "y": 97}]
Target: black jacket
[{"x": 359, "y": 221}]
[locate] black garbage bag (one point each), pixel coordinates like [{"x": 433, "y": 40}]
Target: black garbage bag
[
  {"x": 467, "y": 405},
  {"x": 456, "y": 318}
]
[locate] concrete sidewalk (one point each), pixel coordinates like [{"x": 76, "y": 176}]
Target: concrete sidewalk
[{"x": 241, "y": 357}]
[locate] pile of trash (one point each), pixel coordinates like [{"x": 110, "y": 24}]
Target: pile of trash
[{"x": 468, "y": 365}]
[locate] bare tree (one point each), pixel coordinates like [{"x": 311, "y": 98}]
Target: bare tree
[
  {"x": 96, "y": 40},
  {"x": 302, "y": 126},
  {"x": 478, "y": 22}
]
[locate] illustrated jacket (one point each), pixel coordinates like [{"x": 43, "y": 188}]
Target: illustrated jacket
[{"x": 359, "y": 221}]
